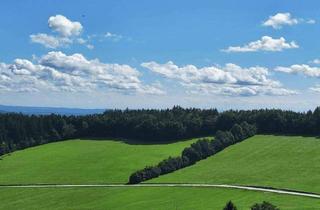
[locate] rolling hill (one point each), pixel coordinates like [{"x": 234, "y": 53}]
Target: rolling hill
[
  {"x": 83, "y": 161},
  {"x": 275, "y": 161},
  {"x": 263, "y": 160}
]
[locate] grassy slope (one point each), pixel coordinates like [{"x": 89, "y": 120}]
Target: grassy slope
[
  {"x": 144, "y": 198},
  {"x": 275, "y": 161},
  {"x": 256, "y": 161},
  {"x": 82, "y": 161}
]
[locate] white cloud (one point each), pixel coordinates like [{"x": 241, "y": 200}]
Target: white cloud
[
  {"x": 300, "y": 68},
  {"x": 310, "y": 21},
  {"x": 84, "y": 42},
  {"x": 50, "y": 41},
  {"x": 109, "y": 36},
  {"x": 279, "y": 20},
  {"x": 81, "y": 41},
  {"x": 230, "y": 79},
  {"x": 316, "y": 61},
  {"x": 57, "y": 71},
  {"x": 315, "y": 89},
  {"x": 64, "y": 26},
  {"x": 113, "y": 37},
  {"x": 90, "y": 46},
  {"x": 68, "y": 33},
  {"x": 266, "y": 43}
]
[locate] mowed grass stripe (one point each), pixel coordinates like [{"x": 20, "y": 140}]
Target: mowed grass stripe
[
  {"x": 83, "y": 161},
  {"x": 263, "y": 160},
  {"x": 144, "y": 198}
]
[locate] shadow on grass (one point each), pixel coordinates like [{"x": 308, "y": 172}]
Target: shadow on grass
[
  {"x": 289, "y": 135},
  {"x": 142, "y": 142},
  {"x": 172, "y": 141}
]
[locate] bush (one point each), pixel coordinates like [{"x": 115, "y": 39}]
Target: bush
[
  {"x": 192, "y": 154},
  {"x": 237, "y": 132},
  {"x": 230, "y": 206},
  {"x": 264, "y": 206}
]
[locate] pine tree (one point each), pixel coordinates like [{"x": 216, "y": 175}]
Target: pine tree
[{"x": 230, "y": 206}]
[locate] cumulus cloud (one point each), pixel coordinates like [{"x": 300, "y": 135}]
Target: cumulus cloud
[
  {"x": 266, "y": 43},
  {"x": 50, "y": 41},
  {"x": 64, "y": 26},
  {"x": 279, "y": 20},
  {"x": 68, "y": 32},
  {"x": 230, "y": 79},
  {"x": 300, "y": 68},
  {"x": 57, "y": 71}
]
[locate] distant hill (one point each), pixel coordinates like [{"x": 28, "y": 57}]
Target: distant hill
[{"x": 48, "y": 110}]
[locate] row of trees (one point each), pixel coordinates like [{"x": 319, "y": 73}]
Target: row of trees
[
  {"x": 274, "y": 121},
  {"x": 153, "y": 125},
  {"x": 258, "y": 206},
  {"x": 199, "y": 150},
  {"x": 19, "y": 131}
]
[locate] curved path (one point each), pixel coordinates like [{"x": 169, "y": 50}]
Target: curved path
[{"x": 261, "y": 189}]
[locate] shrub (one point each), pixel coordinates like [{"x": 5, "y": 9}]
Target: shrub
[
  {"x": 230, "y": 206},
  {"x": 264, "y": 206}
]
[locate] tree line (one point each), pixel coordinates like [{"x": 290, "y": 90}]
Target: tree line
[
  {"x": 197, "y": 151},
  {"x": 18, "y": 131}
]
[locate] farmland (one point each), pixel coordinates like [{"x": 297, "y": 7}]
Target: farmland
[
  {"x": 83, "y": 161},
  {"x": 263, "y": 160},
  {"x": 144, "y": 198},
  {"x": 54, "y": 164}
]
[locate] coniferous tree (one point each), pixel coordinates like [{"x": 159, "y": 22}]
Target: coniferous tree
[
  {"x": 19, "y": 131},
  {"x": 230, "y": 206}
]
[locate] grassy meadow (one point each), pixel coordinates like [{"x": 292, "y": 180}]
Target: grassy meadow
[
  {"x": 83, "y": 161},
  {"x": 263, "y": 160},
  {"x": 144, "y": 198}
]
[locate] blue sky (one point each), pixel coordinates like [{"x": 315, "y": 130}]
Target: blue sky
[{"x": 156, "y": 54}]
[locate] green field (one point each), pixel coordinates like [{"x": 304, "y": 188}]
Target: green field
[
  {"x": 263, "y": 160},
  {"x": 144, "y": 198},
  {"x": 276, "y": 161},
  {"x": 83, "y": 161}
]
